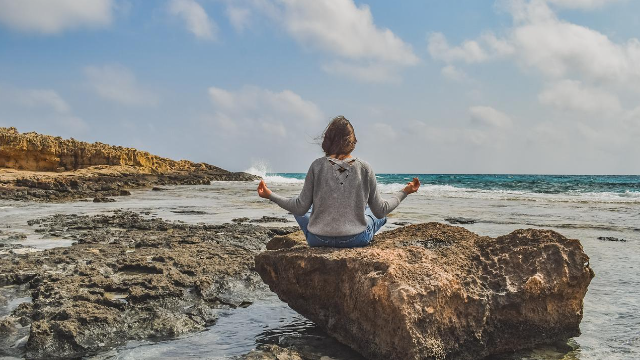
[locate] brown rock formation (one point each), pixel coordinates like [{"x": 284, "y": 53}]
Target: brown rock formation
[
  {"x": 149, "y": 279},
  {"x": 42, "y": 167},
  {"x": 435, "y": 291},
  {"x": 37, "y": 152}
]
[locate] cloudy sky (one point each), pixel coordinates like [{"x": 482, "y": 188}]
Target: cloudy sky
[{"x": 431, "y": 86}]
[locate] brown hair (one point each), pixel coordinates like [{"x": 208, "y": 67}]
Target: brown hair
[{"x": 339, "y": 138}]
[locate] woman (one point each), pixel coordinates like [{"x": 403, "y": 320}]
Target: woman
[{"x": 332, "y": 206}]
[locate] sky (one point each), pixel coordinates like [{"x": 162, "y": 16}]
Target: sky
[{"x": 430, "y": 86}]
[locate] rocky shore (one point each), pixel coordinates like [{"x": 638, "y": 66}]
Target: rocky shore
[
  {"x": 46, "y": 168},
  {"x": 127, "y": 277},
  {"x": 435, "y": 291},
  {"x": 424, "y": 291}
]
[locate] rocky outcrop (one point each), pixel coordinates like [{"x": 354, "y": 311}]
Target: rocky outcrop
[
  {"x": 37, "y": 152},
  {"x": 127, "y": 277},
  {"x": 435, "y": 291},
  {"x": 42, "y": 167}
]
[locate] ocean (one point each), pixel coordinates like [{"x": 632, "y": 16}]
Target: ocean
[
  {"x": 611, "y": 188},
  {"x": 584, "y": 207}
]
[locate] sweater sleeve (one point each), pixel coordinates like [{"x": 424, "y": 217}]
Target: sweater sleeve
[
  {"x": 381, "y": 207},
  {"x": 300, "y": 204}
]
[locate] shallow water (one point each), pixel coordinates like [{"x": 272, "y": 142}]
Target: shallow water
[{"x": 611, "y": 317}]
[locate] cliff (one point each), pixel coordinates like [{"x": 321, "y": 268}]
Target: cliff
[
  {"x": 47, "y": 168},
  {"x": 37, "y": 152}
]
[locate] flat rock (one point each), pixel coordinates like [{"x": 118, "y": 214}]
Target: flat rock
[
  {"x": 611, "y": 238},
  {"x": 435, "y": 291},
  {"x": 99, "y": 199},
  {"x": 459, "y": 220},
  {"x": 269, "y": 219}
]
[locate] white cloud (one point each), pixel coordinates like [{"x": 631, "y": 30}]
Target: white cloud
[
  {"x": 371, "y": 73},
  {"x": 486, "y": 115},
  {"x": 634, "y": 115},
  {"x": 453, "y": 73},
  {"x": 554, "y": 47},
  {"x": 40, "y": 108},
  {"x": 573, "y": 95},
  {"x": 632, "y": 123},
  {"x": 195, "y": 18},
  {"x": 254, "y": 109},
  {"x": 344, "y": 29},
  {"x": 55, "y": 16},
  {"x": 239, "y": 17},
  {"x": 361, "y": 50},
  {"x": 488, "y": 47},
  {"x": 385, "y": 131},
  {"x": 44, "y": 98},
  {"x": 558, "y": 48},
  {"x": 582, "y": 4},
  {"x": 469, "y": 51},
  {"x": 117, "y": 83}
]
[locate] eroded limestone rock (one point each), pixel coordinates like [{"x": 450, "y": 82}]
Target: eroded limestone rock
[
  {"x": 38, "y": 152},
  {"x": 127, "y": 277},
  {"x": 47, "y": 168},
  {"x": 435, "y": 291}
]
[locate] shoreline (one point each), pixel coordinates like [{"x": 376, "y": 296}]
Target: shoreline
[{"x": 99, "y": 182}]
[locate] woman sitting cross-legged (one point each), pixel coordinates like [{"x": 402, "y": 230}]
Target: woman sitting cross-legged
[{"x": 339, "y": 205}]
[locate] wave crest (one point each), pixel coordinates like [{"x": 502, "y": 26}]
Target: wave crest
[{"x": 261, "y": 168}]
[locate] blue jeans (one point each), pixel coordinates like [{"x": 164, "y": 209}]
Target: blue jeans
[{"x": 363, "y": 239}]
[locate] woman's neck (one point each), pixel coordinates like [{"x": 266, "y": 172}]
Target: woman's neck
[{"x": 340, "y": 157}]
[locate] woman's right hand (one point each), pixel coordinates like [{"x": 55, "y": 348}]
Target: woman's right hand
[
  {"x": 263, "y": 191},
  {"x": 412, "y": 186}
]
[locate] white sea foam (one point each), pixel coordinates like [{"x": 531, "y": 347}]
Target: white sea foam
[
  {"x": 261, "y": 168},
  {"x": 448, "y": 191}
]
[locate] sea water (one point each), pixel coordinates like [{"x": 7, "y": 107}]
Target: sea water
[{"x": 581, "y": 207}]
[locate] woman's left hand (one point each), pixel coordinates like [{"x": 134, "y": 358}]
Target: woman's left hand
[
  {"x": 412, "y": 186},
  {"x": 263, "y": 191}
]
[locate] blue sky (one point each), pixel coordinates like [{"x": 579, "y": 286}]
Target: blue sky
[{"x": 511, "y": 86}]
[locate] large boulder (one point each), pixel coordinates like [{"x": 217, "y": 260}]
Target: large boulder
[{"x": 435, "y": 291}]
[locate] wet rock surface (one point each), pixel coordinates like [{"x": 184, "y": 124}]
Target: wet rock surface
[
  {"x": 270, "y": 219},
  {"x": 459, "y": 220},
  {"x": 611, "y": 238},
  {"x": 435, "y": 291},
  {"x": 46, "y": 168},
  {"x": 126, "y": 277},
  {"x": 299, "y": 340},
  {"x": 99, "y": 182}
]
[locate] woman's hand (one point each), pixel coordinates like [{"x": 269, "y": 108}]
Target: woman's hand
[
  {"x": 263, "y": 191},
  {"x": 412, "y": 186}
]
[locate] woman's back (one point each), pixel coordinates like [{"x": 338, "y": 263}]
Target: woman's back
[
  {"x": 339, "y": 187},
  {"x": 339, "y": 191}
]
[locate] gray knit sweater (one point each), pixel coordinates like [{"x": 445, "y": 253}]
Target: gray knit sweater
[{"x": 339, "y": 191}]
